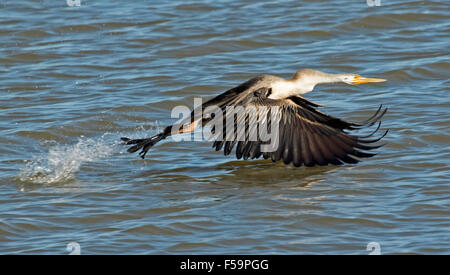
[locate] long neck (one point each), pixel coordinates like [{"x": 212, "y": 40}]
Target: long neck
[
  {"x": 309, "y": 81},
  {"x": 306, "y": 83},
  {"x": 302, "y": 84}
]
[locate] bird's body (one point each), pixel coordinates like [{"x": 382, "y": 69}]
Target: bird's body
[{"x": 305, "y": 135}]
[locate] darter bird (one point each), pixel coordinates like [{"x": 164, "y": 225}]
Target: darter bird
[{"x": 306, "y": 135}]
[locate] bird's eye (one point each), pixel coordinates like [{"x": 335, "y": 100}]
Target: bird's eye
[{"x": 348, "y": 79}]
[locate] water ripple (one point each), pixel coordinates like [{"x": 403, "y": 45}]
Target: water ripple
[{"x": 76, "y": 79}]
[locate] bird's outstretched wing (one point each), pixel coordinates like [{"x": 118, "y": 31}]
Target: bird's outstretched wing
[{"x": 306, "y": 136}]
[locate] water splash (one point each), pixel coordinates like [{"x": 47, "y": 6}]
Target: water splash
[{"x": 63, "y": 161}]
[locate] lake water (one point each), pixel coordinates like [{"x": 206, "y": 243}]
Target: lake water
[{"x": 74, "y": 79}]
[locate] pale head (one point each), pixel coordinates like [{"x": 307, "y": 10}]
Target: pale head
[
  {"x": 305, "y": 80},
  {"x": 317, "y": 77}
]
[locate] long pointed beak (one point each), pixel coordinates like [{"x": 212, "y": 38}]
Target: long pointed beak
[{"x": 360, "y": 80}]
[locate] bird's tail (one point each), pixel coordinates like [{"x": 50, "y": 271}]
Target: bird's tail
[{"x": 145, "y": 143}]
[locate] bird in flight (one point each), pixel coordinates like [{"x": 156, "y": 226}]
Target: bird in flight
[{"x": 305, "y": 135}]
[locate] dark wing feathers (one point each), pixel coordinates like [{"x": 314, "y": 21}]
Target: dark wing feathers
[{"x": 307, "y": 136}]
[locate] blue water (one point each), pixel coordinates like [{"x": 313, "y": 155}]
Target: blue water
[{"x": 74, "y": 79}]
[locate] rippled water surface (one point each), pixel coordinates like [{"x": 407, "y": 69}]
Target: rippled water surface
[{"x": 74, "y": 79}]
